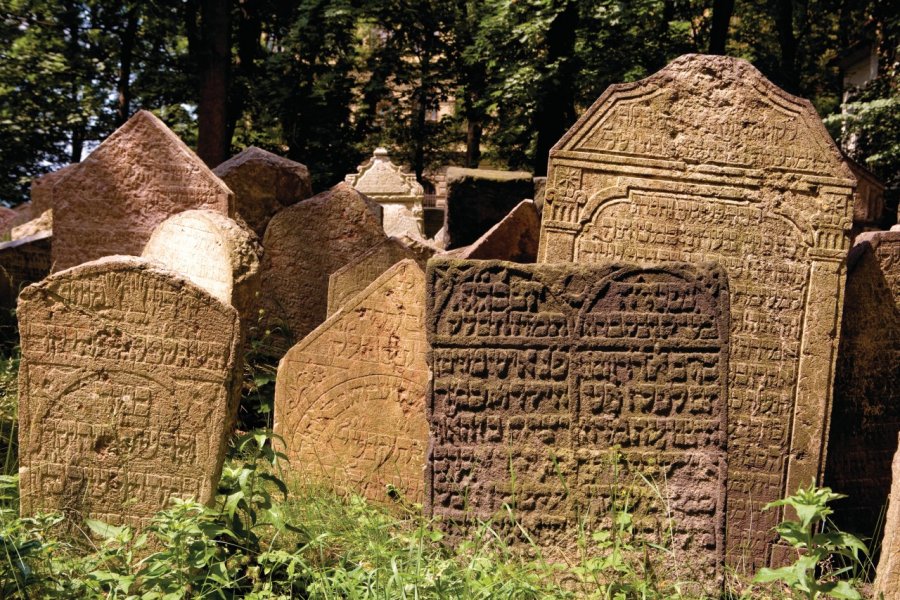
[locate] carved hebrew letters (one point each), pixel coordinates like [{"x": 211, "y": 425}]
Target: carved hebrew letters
[
  {"x": 541, "y": 373},
  {"x": 708, "y": 161},
  {"x": 350, "y": 397},
  {"x": 124, "y": 391}
]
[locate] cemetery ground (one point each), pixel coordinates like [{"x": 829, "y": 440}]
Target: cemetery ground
[{"x": 268, "y": 535}]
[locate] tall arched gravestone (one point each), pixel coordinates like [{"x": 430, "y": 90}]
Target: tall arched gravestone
[
  {"x": 350, "y": 397},
  {"x": 124, "y": 390},
  {"x": 707, "y": 160},
  {"x": 541, "y": 374}
]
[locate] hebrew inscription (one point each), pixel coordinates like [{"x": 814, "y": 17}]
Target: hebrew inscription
[
  {"x": 542, "y": 373},
  {"x": 708, "y": 161},
  {"x": 350, "y": 398},
  {"x": 124, "y": 391}
]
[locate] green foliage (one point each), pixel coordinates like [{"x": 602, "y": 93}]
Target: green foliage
[{"x": 812, "y": 576}]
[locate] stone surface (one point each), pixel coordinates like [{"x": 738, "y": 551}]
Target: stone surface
[
  {"x": 868, "y": 199},
  {"x": 362, "y": 270},
  {"x": 706, "y": 160},
  {"x": 22, "y": 262},
  {"x": 304, "y": 245},
  {"x": 422, "y": 248},
  {"x": 42, "y": 224},
  {"x": 541, "y": 373},
  {"x": 42, "y": 189},
  {"x": 478, "y": 199},
  {"x": 887, "y": 576},
  {"x": 866, "y": 415},
  {"x": 515, "y": 238},
  {"x": 124, "y": 391},
  {"x": 213, "y": 252},
  {"x": 398, "y": 193},
  {"x": 540, "y": 184},
  {"x": 7, "y": 216},
  {"x": 112, "y": 201},
  {"x": 263, "y": 183},
  {"x": 350, "y": 398}
]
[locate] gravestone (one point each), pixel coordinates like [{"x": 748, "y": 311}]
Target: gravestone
[
  {"x": 350, "y": 398},
  {"x": 868, "y": 199},
  {"x": 112, "y": 201},
  {"x": 7, "y": 217},
  {"x": 478, "y": 199},
  {"x": 398, "y": 193},
  {"x": 707, "y": 160},
  {"x": 40, "y": 225},
  {"x": 887, "y": 576},
  {"x": 42, "y": 189},
  {"x": 543, "y": 373},
  {"x": 263, "y": 183},
  {"x": 22, "y": 262},
  {"x": 866, "y": 415},
  {"x": 515, "y": 238},
  {"x": 125, "y": 391},
  {"x": 306, "y": 243},
  {"x": 362, "y": 270},
  {"x": 212, "y": 251}
]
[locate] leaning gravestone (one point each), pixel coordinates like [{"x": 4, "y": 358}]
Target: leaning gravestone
[
  {"x": 478, "y": 199},
  {"x": 42, "y": 189},
  {"x": 515, "y": 238},
  {"x": 887, "y": 577},
  {"x": 866, "y": 415},
  {"x": 304, "y": 245},
  {"x": 263, "y": 183},
  {"x": 138, "y": 177},
  {"x": 212, "y": 251},
  {"x": 707, "y": 160},
  {"x": 124, "y": 391},
  {"x": 350, "y": 398},
  {"x": 22, "y": 262},
  {"x": 398, "y": 193},
  {"x": 362, "y": 270},
  {"x": 43, "y": 224},
  {"x": 542, "y": 373}
]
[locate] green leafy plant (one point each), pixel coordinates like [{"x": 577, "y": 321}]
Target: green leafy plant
[{"x": 811, "y": 575}]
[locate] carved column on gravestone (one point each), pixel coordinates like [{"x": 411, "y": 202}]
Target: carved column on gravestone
[
  {"x": 398, "y": 193},
  {"x": 706, "y": 160}
]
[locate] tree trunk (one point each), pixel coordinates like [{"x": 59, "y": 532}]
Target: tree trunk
[
  {"x": 249, "y": 30},
  {"x": 73, "y": 25},
  {"x": 473, "y": 143},
  {"x": 784, "y": 22},
  {"x": 126, "y": 52},
  {"x": 556, "y": 107},
  {"x": 214, "y": 61},
  {"x": 721, "y": 17}
]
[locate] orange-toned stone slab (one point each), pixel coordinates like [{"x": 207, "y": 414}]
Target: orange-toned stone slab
[
  {"x": 887, "y": 576},
  {"x": 707, "y": 160},
  {"x": 543, "y": 373},
  {"x": 350, "y": 398},
  {"x": 515, "y": 238},
  {"x": 124, "y": 391},
  {"x": 398, "y": 193},
  {"x": 306, "y": 243},
  {"x": 263, "y": 183},
  {"x": 138, "y": 177}
]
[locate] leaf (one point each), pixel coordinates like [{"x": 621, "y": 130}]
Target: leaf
[
  {"x": 785, "y": 574},
  {"x": 105, "y": 530},
  {"x": 843, "y": 590}
]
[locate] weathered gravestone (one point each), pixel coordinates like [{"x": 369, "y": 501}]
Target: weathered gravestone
[
  {"x": 42, "y": 189},
  {"x": 138, "y": 177},
  {"x": 887, "y": 577},
  {"x": 212, "y": 251},
  {"x": 866, "y": 415},
  {"x": 541, "y": 373},
  {"x": 306, "y": 243},
  {"x": 22, "y": 262},
  {"x": 362, "y": 270},
  {"x": 398, "y": 193},
  {"x": 38, "y": 226},
  {"x": 515, "y": 238},
  {"x": 350, "y": 398},
  {"x": 7, "y": 217},
  {"x": 263, "y": 183},
  {"x": 124, "y": 390},
  {"x": 707, "y": 160},
  {"x": 478, "y": 199}
]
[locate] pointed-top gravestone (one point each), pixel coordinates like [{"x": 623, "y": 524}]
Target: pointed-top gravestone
[
  {"x": 707, "y": 160},
  {"x": 137, "y": 178},
  {"x": 398, "y": 193},
  {"x": 515, "y": 238},
  {"x": 306, "y": 243},
  {"x": 263, "y": 183}
]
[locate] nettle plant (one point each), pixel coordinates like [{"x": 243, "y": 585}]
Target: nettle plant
[{"x": 813, "y": 575}]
